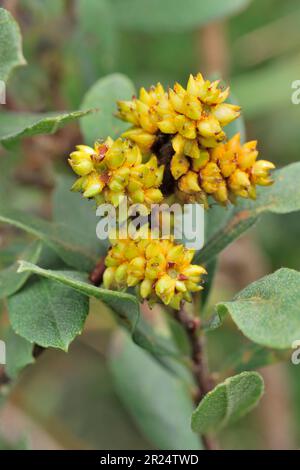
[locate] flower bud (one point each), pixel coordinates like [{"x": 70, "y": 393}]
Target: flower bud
[
  {"x": 239, "y": 183},
  {"x": 185, "y": 127},
  {"x": 226, "y": 113},
  {"x": 200, "y": 162},
  {"x": 208, "y": 126},
  {"x": 146, "y": 288},
  {"x": 108, "y": 277},
  {"x": 260, "y": 172},
  {"x": 167, "y": 126},
  {"x": 165, "y": 288},
  {"x": 153, "y": 196},
  {"x": 179, "y": 165},
  {"x": 189, "y": 183},
  {"x": 93, "y": 185},
  {"x": 142, "y": 138},
  {"x": 211, "y": 178},
  {"x": 121, "y": 273},
  {"x": 81, "y": 162}
]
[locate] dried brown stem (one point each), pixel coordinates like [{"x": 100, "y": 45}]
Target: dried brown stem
[
  {"x": 97, "y": 274},
  {"x": 200, "y": 369},
  {"x": 212, "y": 44}
]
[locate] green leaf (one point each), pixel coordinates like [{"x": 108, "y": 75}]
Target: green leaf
[
  {"x": 19, "y": 353},
  {"x": 267, "y": 311},
  {"x": 261, "y": 92},
  {"x": 73, "y": 248},
  {"x": 11, "y": 54},
  {"x": 125, "y": 306},
  {"x": 78, "y": 214},
  {"x": 211, "y": 269},
  {"x": 227, "y": 402},
  {"x": 96, "y": 31},
  {"x": 159, "y": 403},
  {"x": 10, "y": 280},
  {"x": 47, "y": 313},
  {"x": 282, "y": 197},
  {"x": 103, "y": 95},
  {"x": 252, "y": 356},
  {"x": 171, "y": 15},
  {"x": 14, "y": 126}
]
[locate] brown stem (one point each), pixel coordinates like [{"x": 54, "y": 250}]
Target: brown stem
[
  {"x": 97, "y": 274},
  {"x": 213, "y": 48},
  {"x": 163, "y": 149},
  {"x": 200, "y": 370},
  {"x": 4, "y": 379}
]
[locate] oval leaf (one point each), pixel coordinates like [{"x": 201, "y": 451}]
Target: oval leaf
[
  {"x": 170, "y": 15},
  {"x": 125, "y": 306},
  {"x": 228, "y": 402},
  {"x": 11, "y": 54},
  {"x": 78, "y": 214},
  {"x": 103, "y": 96},
  {"x": 267, "y": 311},
  {"x": 14, "y": 126},
  {"x": 19, "y": 353},
  {"x": 73, "y": 248},
  {"x": 10, "y": 280},
  {"x": 48, "y": 313}
]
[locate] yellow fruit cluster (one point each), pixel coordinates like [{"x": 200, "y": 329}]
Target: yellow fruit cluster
[
  {"x": 224, "y": 172},
  {"x": 184, "y": 128},
  {"x": 114, "y": 169},
  {"x": 160, "y": 268},
  {"x": 197, "y": 113},
  {"x": 203, "y": 163}
]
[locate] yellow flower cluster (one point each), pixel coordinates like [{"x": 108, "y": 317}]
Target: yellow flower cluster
[
  {"x": 160, "y": 268},
  {"x": 203, "y": 162},
  {"x": 114, "y": 169},
  {"x": 197, "y": 113},
  {"x": 224, "y": 172},
  {"x": 184, "y": 128}
]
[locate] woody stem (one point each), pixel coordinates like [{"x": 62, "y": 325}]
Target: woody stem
[{"x": 203, "y": 379}]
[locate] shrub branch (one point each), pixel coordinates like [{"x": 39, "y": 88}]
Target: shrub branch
[{"x": 202, "y": 376}]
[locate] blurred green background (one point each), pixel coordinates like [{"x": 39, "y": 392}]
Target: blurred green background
[{"x": 70, "y": 401}]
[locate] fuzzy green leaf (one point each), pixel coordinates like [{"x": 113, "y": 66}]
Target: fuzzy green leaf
[
  {"x": 10, "y": 280},
  {"x": 282, "y": 197},
  {"x": 19, "y": 353},
  {"x": 69, "y": 244},
  {"x": 11, "y": 54},
  {"x": 96, "y": 31},
  {"x": 78, "y": 214},
  {"x": 253, "y": 356},
  {"x": 228, "y": 402},
  {"x": 172, "y": 15},
  {"x": 125, "y": 306},
  {"x": 267, "y": 311},
  {"x": 163, "y": 415},
  {"x": 47, "y": 313},
  {"x": 103, "y": 96},
  {"x": 14, "y": 126}
]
